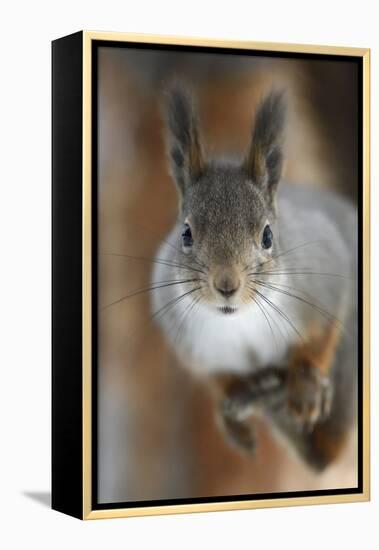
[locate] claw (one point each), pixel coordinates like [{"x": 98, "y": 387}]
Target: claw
[{"x": 309, "y": 396}]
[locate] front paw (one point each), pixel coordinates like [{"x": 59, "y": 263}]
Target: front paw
[
  {"x": 238, "y": 403},
  {"x": 239, "y": 435},
  {"x": 310, "y": 395},
  {"x": 255, "y": 392},
  {"x": 234, "y": 412}
]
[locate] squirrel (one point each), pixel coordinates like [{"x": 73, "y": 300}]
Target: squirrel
[{"x": 257, "y": 287}]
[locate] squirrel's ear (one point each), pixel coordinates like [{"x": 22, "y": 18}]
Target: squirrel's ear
[
  {"x": 265, "y": 157},
  {"x": 183, "y": 142}
]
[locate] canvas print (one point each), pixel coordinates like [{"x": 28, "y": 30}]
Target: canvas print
[{"x": 228, "y": 186}]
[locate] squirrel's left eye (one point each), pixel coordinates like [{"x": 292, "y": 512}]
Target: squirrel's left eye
[
  {"x": 267, "y": 237},
  {"x": 187, "y": 239}
]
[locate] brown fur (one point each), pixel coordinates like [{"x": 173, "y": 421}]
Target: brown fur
[{"x": 319, "y": 348}]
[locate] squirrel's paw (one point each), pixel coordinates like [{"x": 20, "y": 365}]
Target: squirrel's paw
[
  {"x": 238, "y": 403},
  {"x": 232, "y": 409},
  {"x": 239, "y": 434},
  {"x": 310, "y": 395},
  {"x": 236, "y": 408}
]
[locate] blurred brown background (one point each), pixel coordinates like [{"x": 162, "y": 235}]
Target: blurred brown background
[{"x": 157, "y": 434}]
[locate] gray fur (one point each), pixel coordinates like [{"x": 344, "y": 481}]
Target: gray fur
[
  {"x": 265, "y": 158},
  {"x": 184, "y": 148}
]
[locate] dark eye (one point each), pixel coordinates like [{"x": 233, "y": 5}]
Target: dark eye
[
  {"x": 187, "y": 239},
  {"x": 267, "y": 237}
]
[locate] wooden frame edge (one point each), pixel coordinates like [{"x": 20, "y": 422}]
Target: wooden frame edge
[
  {"x": 366, "y": 271},
  {"x": 219, "y": 43},
  {"x": 225, "y": 506}
]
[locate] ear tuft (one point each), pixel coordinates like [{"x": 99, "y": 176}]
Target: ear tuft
[
  {"x": 183, "y": 142},
  {"x": 265, "y": 157}
]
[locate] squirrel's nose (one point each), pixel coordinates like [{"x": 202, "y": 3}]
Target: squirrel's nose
[
  {"x": 226, "y": 292},
  {"x": 226, "y": 285}
]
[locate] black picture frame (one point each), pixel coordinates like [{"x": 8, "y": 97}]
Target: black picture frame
[{"x": 74, "y": 133}]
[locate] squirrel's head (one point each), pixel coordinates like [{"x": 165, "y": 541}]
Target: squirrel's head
[{"x": 227, "y": 208}]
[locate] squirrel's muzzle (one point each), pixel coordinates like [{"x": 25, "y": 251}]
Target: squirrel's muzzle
[{"x": 226, "y": 282}]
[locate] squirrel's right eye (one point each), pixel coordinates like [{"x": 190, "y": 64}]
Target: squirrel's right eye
[
  {"x": 267, "y": 237},
  {"x": 187, "y": 239}
]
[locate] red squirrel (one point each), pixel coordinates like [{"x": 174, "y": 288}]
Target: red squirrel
[{"x": 256, "y": 280}]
